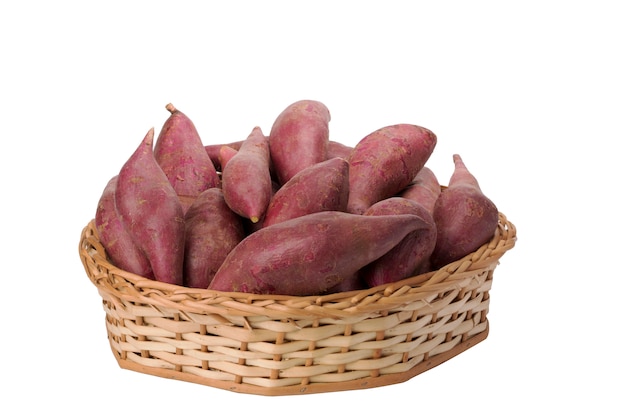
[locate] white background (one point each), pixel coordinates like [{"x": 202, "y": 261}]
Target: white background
[{"x": 531, "y": 94}]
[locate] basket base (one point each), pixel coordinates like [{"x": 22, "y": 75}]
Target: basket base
[{"x": 315, "y": 388}]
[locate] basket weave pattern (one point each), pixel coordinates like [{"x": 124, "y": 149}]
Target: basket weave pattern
[{"x": 282, "y": 345}]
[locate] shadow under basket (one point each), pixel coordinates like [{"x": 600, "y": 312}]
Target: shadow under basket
[{"x": 284, "y": 345}]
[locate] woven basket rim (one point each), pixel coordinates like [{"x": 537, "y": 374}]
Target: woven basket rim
[{"x": 110, "y": 279}]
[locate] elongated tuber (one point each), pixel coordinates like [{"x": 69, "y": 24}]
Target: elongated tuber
[
  {"x": 385, "y": 162},
  {"x": 152, "y": 212},
  {"x": 466, "y": 218},
  {"x": 183, "y": 158},
  {"x": 309, "y": 254}
]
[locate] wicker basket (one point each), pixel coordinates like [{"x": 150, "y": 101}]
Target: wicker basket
[{"x": 282, "y": 345}]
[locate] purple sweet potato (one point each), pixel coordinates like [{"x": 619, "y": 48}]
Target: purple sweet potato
[
  {"x": 338, "y": 149},
  {"x": 424, "y": 189},
  {"x": 251, "y": 227},
  {"x": 320, "y": 187},
  {"x": 466, "y": 218},
  {"x": 246, "y": 178},
  {"x": 212, "y": 230},
  {"x": 309, "y": 254},
  {"x": 353, "y": 282},
  {"x": 299, "y": 138},
  {"x": 385, "y": 162},
  {"x": 408, "y": 256},
  {"x": 181, "y": 154},
  {"x": 225, "y": 154},
  {"x": 119, "y": 245},
  {"x": 213, "y": 150},
  {"x": 152, "y": 213}
]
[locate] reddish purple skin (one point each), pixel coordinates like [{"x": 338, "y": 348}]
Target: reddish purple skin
[
  {"x": 182, "y": 156},
  {"x": 385, "y": 162},
  {"x": 213, "y": 151},
  {"x": 337, "y": 149},
  {"x": 119, "y": 246},
  {"x": 246, "y": 178},
  {"x": 409, "y": 256},
  {"x": 424, "y": 189},
  {"x": 320, "y": 187},
  {"x": 309, "y": 254},
  {"x": 351, "y": 283},
  {"x": 299, "y": 138},
  {"x": 466, "y": 218},
  {"x": 212, "y": 230},
  {"x": 225, "y": 154},
  {"x": 152, "y": 213}
]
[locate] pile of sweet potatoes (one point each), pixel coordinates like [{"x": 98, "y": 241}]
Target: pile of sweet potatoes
[{"x": 289, "y": 212}]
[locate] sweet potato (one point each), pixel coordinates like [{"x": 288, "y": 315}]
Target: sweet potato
[
  {"x": 119, "y": 245},
  {"x": 320, "y": 187},
  {"x": 212, "y": 230},
  {"x": 338, "y": 149},
  {"x": 407, "y": 257},
  {"x": 424, "y": 189},
  {"x": 465, "y": 217},
  {"x": 246, "y": 178},
  {"x": 151, "y": 212},
  {"x": 225, "y": 154},
  {"x": 353, "y": 282},
  {"x": 213, "y": 150},
  {"x": 181, "y": 154},
  {"x": 309, "y": 254},
  {"x": 251, "y": 227},
  {"x": 386, "y": 161},
  {"x": 299, "y": 138}
]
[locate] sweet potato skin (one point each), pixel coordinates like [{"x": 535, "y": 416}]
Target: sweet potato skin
[
  {"x": 246, "y": 178},
  {"x": 119, "y": 245},
  {"x": 183, "y": 158},
  {"x": 424, "y": 189},
  {"x": 411, "y": 255},
  {"x": 152, "y": 212},
  {"x": 299, "y": 138},
  {"x": 225, "y": 154},
  {"x": 212, "y": 230},
  {"x": 213, "y": 150},
  {"x": 320, "y": 187},
  {"x": 353, "y": 282},
  {"x": 465, "y": 217},
  {"x": 309, "y": 254},
  {"x": 465, "y": 221},
  {"x": 385, "y": 162},
  {"x": 338, "y": 149}
]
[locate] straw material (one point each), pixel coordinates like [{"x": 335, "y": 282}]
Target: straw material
[{"x": 283, "y": 345}]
